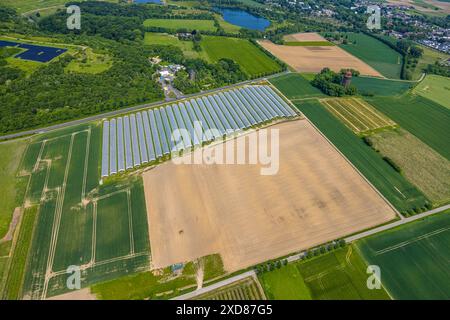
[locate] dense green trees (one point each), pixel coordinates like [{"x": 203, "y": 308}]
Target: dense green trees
[
  {"x": 208, "y": 76},
  {"x": 330, "y": 83},
  {"x": 110, "y": 27},
  {"x": 7, "y": 14},
  {"x": 52, "y": 95},
  {"x": 439, "y": 69}
]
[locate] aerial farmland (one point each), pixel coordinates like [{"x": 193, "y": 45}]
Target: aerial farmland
[{"x": 229, "y": 153}]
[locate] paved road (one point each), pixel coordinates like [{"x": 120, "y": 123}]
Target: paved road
[
  {"x": 298, "y": 256},
  {"x": 126, "y": 110},
  {"x": 396, "y": 224}
]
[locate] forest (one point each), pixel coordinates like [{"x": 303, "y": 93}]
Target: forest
[{"x": 51, "y": 94}]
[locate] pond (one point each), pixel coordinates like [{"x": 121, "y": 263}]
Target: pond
[{"x": 243, "y": 19}]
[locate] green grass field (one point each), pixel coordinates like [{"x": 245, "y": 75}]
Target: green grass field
[
  {"x": 429, "y": 56},
  {"x": 397, "y": 190},
  {"x": 14, "y": 280},
  {"x": 6, "y": 52},
  {"x": 175, "y": 24},
  {"x": 380, "y": 87},
  {"x": 294, "y": 86},
  {"x": 228, "y": 27},
  {"x": 23, "y": 6},
  {"x": 285, "y": 283},
  {"x": 101, "y": 228},
  {"x": 212, "y": 266},
  {"x": 145, "y": 285},
  {"x": 413, "y": 258},
  {"x": 336, "y": 275},
  {"x": 11, "y": 188},
  {"x": 90, "y": 62},
  {"x": 246, "y": 289},
  {"x": 27, "y": 5},
  {"x": 252, "y": 3},
  {"x": 165, "y": 39},
  {"x": 435, "y": 88},
  {"x": 381, "y": 57},
  {"x": 252, "y": 60},
  {"x": 420, "y": 164},
  {"x": 183, "y": 3},
  {"x": 424, "y": 118}
]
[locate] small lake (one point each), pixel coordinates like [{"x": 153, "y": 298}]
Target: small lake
[
  {"x": 148, "y": 1},
  {"x": 243, "y": 19}
]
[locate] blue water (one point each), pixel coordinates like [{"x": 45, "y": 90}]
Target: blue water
[
  {"x": 243, "y": 19},
  {"x": 148, "y": 1}
]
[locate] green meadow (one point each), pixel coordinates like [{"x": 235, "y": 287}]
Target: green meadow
[
  {"x": 381, "y": 87},
  {"x": 336, "y": 275},
  {"x": 435, "y": 88},
  {"x": 295, "y": 86},
  {"x": 380, "y": 56},
  {"x": 176, "y": 24},
  {"x": 422, "y": 117},
  {"x": 253, "y": 61},
  {"x": 413, "y": 258}
]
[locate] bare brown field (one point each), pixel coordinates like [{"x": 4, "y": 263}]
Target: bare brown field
[
  {"x": 314, "y": 59},
  {"x": 82, "y": 294},
  {"x": 248, "y": 218},
  {"x": 304, "y": 36},
  {"x": 426, "y": 7}
]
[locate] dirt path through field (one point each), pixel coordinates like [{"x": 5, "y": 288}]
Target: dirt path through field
[{"x": 12, "y": 226}]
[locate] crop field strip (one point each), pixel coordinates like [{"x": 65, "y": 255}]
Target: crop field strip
[
  {"x": 103, "y": 240},
  {"x": 245, "y": 289},
  {"x": 147, "y": 135},
  {"x": 375, "y": 53},
  {"x": 414, "y": 258},
  {"x": 422, "y": 117},
  {"x": 357, "y": 115}
]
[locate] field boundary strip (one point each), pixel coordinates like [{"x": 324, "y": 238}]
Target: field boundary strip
[{"x": 86, "y": 163}]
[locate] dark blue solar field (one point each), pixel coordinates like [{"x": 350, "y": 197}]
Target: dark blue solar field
[{"x": 33, "y": 52}]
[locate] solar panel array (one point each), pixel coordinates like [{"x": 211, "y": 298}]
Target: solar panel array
[
  {"x": 145, "y": 136},
  {"x": 34, "y": 52}
]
